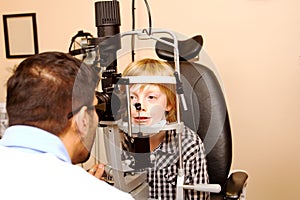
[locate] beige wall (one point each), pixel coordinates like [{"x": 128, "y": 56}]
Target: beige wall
[{"x": 255, "y": 45}]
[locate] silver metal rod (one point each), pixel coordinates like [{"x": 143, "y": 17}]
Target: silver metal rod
[{"x": 128, "y": 110}]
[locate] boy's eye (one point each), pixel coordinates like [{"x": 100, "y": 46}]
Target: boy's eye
[
  {"x": 133, "y": 97},
  {"x": 152, "y": 97}
]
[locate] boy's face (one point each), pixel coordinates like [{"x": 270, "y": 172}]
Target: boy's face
[{"x": 153, "y": 104}]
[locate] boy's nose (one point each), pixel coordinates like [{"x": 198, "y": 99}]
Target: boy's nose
[{"x": 138, "y": 106}]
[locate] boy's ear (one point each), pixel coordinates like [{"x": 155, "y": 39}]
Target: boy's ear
[
  {"x": 168, "y": 108},
  {"x": 81, "y": 119}
]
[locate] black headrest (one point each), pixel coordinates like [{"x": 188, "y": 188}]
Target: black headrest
[{"x": 188, "y": 48}]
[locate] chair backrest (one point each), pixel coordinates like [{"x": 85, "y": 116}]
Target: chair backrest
[{"x": 207, "y": 111}]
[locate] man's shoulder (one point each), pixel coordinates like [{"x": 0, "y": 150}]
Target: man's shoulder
[{"x": 45, "y": 173}]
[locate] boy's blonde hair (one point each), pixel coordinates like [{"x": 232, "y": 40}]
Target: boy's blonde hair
[{"x": 153, "y": 67}]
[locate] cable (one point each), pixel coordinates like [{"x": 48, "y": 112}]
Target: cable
[
  {"x": 149, "y": 16},
  {"x": 149, "y": 32},
  {"x": 133, "y": 28}
]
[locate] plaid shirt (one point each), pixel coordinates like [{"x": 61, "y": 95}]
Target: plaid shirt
[{"x": 162, "y": 176}]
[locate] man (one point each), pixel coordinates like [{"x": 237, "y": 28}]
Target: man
[{"x": 52, "y": 125}]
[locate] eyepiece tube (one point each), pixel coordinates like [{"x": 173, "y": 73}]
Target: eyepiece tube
[{"x": 107, "y": 18}]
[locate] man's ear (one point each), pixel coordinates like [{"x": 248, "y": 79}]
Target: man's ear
[{"x": 81, "y": 119}]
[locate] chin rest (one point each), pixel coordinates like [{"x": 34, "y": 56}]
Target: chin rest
[
  {"x": 207, "y": 114},
  {"x": 188, "y": 48}
]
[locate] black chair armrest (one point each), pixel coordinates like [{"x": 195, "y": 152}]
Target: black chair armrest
[{"x": 235, "y": 184}]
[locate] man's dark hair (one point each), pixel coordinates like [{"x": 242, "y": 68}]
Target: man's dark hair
[{"x": 46, "y": 87}]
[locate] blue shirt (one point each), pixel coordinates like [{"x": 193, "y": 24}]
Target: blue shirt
[{"x": 34, "y": 140}]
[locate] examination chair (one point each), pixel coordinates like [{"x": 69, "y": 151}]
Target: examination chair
[{"x": 207, "y": 114}]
